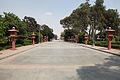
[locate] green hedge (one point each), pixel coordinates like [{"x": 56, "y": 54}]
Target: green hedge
[
  {"x": 27, "y": 42},
  {"x": 5, "y": 45},
  {"x": 114, "y": 44}
]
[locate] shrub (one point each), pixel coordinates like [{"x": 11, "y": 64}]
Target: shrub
[
  {"x": 27, "y": 42},
  {"x": 116, "y": 46},
  {"x": 7, "y": 47},
  {"x": 18, "y": 45},
  {"x": 81, "y": 37},
  {"x": 1, "y": 48}
]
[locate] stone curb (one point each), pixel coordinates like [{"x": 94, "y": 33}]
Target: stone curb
[
  {"x": 101, "y": 50},
  {"x": 17, "y": 53}
]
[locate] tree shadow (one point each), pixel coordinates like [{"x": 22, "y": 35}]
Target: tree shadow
[{"x": 107, "y": 71}]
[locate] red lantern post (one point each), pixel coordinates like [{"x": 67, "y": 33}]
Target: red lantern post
[
  {"x": 41, "y": 38},
  {"x": 33, "y": 36},
  {"x": 72, "y": 39},
  {"x": 13, "y": 34},
  {"x": 86, "y": 37},
  {"x": 110, "y": 35},
  {"x": 76, "y": 38},
  {"x": 47, "y": 38}
]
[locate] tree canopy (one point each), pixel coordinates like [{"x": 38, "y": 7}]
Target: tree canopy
[
  {"x": 87, "y": 16},
  {"x": 25, "y": 26}
]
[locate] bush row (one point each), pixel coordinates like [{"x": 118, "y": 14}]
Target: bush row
[
  {"x": 19, "y": 43},
  {"x": 115, "y": 45}
]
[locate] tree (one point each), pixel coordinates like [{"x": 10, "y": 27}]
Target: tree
[
  {"x": 113, "y": 19},
  {"x": 55, "y": 36},
  {"x": 1, "y": 26},
  {"x": 94, "y": 18},
  {"x": 32, "y": 25},
  {"x": 80, "y": 17},
  {"x": 47, "y": 31},
  {"x": 10, "y": 20},
  {"x": 66, "y": 22}
]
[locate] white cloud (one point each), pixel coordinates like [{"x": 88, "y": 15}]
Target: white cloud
[{"x": 48, "y": 14}]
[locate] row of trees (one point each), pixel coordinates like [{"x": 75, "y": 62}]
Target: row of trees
[
  {"x": 26, "y": 26},
  {"x": 87, "y": 18}
]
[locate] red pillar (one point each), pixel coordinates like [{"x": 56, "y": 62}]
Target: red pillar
[
  {"x": 44, "y": 38},
  {"x": 86, "y": 37},
  {"x": 76, "y": 38},
  {"x": 109, "y": 43},
  {"x": 72, "y": 39},
  {"x": 13, "y": 43},
  {"x": 41, "y": 39},
  {"x": 47, "y": 39},
  {"x": 33, "y": 42}
]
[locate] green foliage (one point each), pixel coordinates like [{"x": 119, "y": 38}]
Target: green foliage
[
  {"x": 66, "y": 22},
  {"x": 114, "y": 44},
  {"x": 19, "y": 45},
  {"x": 7, "y": 47},
  {"x": 95, "y": 17},
  {"x": 55, "y": 37},
  {"x": 1, "y": 48},
  {"x": 27, "y": 42},
  {"x": 25, "y": 27},
  {"x": 81, "y": 37},
  {"x": 68, "y": 34},
  {"x": 32, "y": 25},
  {"x": 11, "y": 20},
  {"x": 47, "y": 31}
]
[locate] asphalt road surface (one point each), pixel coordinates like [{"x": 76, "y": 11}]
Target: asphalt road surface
[{"x": 60, "y": 60}]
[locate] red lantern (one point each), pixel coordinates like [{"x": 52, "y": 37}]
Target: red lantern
[
  {"x": 33, "y": 37},
  {"x": 13, "y": 34},
  {"x": 110, "y": 35}
]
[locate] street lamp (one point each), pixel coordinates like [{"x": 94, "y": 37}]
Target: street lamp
[
  {"x": 119, "y": 32},
  {"x": 39, "y": 35},
  {"x": 93, "y": 39}
]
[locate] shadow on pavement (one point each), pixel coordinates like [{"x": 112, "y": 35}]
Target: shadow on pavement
[{"x": 107, "y": 71}]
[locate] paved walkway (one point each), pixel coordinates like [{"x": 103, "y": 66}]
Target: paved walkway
[
  {"x": 60, "y": 60},
  {"x": 7, "y": 53},
  {"x": 103, "y": 49}
]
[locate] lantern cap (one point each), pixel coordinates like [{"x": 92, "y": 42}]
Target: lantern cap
[
  {"x": 85, "y": 34},
  {"x": 110, "y": 30},
  {"x": 33, "y": 33},
  {"x": 13, "y": 30}
]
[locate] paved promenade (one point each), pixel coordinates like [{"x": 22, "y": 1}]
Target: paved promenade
[{"x": 60, "y": 60}]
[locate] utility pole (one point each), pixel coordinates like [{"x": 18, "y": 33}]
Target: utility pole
[
  {"x": 39, "y": 35},
  {"x": 93, "y": 39}
]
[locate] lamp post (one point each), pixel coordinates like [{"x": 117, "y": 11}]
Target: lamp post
[
  {"x": 42, "y": 39},
  {"x": 119, "y": 32},
  {"x": 109, "y": 35},
  {"x": 13, "y": 34},
  {"x": 93, "y": 39},
  {"x": 33, "y": 36},
  {"x": 47, "y": 38},
  {"x": 39, "y": 35},
  {"x": 76, "y": 38}
]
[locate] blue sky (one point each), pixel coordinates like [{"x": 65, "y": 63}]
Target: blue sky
[{"x": 48, "y": 11}]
